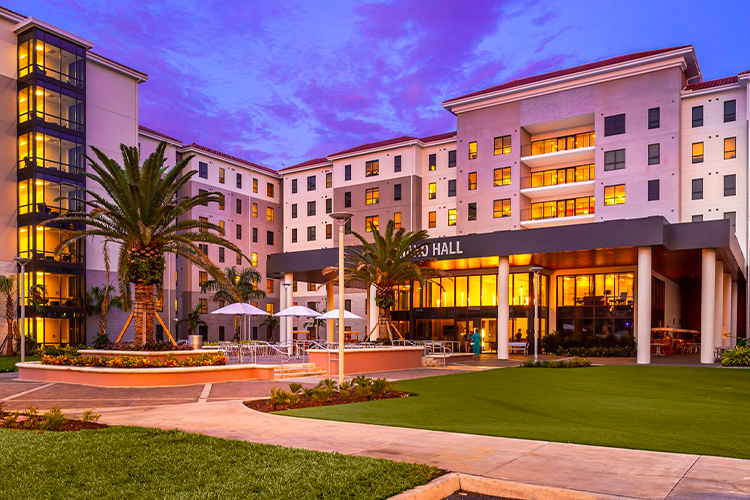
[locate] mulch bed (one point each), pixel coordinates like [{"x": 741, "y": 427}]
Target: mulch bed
[
  {"x": 266, "y": 406},
  {"x": 23, "y": 423}
]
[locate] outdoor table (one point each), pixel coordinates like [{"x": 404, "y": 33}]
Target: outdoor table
[
  {"x": 657, "y": 350},
  {"x": 348, "y": 335},
  {"x": 296, "y": 333}
]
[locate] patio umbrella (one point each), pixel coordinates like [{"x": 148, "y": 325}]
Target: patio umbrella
[
  {"x": 297, "y": 312},
  {"x": 241, "y": 309},
  {"x": 334, "y": 314}
]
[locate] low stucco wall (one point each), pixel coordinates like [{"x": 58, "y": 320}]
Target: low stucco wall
[
  {"x": 377, "y": 359},
  {"x": 155, "y": 355},
  {"x": 142, "y": 377}
]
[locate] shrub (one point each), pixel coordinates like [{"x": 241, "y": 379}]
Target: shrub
[
  {"x": 148, "y": 346},
  {"x": 282, "y": 397},
  {"x": 53, "y": 350},
  {"x": 101, "y": 341},
  {"x": 380, "y": 386},
  {"x": 739, "y": 356},
  {"x": 345, "y": 389},
  {"x": 570, "y": 343},
  {"x": 90, "y": 416},
  {"x": 32, "y": 346},
  {"x": 562, "y": 363},
  {"x": 135, "y": 362},
  {"x": 295, "y": 387},
  {"x": 54, "y": 420}
]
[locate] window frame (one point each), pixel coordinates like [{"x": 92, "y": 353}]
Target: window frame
[
  {"x": 616, "y": 164},
  {"x": 730, "y": 154},
  {"x": 471, "y": 180},
  {"x": 614, "y": 198},
  {"x": 505, "y": 145},
  {"x": 654, "y": 159},
  {"x": 730, "y": 116},
  {"x": 654, "y": 118},
  {"x": 653, "y": 191},
  {"x": 501, "y": 208},
  {"x": 372, "y": 196},
  {"x": 503, "y": 179},
  {"x": 697, "y": 158},
  {"x": 696, "y": 116},
  {"x": 730, "y": 185},
  {"x": 696, "y": 189},
  {"x": 614, "y": 125},
  {"x": 372, "y": 168},
  {"x": 473, "y": 150}
]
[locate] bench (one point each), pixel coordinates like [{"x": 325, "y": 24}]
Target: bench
[{"x": 523, "y": 347}]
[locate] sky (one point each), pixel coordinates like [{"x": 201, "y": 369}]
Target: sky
[{"x": 281, "y": 82}]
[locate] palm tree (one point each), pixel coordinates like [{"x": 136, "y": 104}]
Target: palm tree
[
  {"x": 271, "y": 323},
  {"x": 237, "y": 286},
  {"x": 95, "y": 302},
  {"x": 193, "y": 320},
  {"x": 8, "y": 291},
  {"x": 393, "y": 258},
  {"x": 144, "y": 213}
]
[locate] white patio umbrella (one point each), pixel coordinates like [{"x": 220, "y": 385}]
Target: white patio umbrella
[
  {"x": 334, "y": 314},
  {"x": 297, "y": 312},
  {"x": 241, "y": 309}
]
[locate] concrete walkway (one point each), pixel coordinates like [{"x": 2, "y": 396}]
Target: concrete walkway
[{"x": 598, "y": 470}]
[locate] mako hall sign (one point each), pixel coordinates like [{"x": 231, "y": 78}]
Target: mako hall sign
[{"x": 443, "y": 248}]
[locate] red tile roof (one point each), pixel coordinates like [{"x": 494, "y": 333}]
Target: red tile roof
[
  {"x": 314, "y": 161},
  {"x": 712, "y": 83},
  {"x": 371, "y": 145},
  {"x": 438, "y": 137},
  {"x": 154, "y": 132},
  {"x": 230, "y": 157},
  {"x": 568, "y": 71}
]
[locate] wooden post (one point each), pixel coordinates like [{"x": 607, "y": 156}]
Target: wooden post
[
  {"x": 127, "y": 324},
  {"x": 158, "y": 318}
]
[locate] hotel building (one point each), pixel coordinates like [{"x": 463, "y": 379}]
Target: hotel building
[{"x": 623, "y": 182}]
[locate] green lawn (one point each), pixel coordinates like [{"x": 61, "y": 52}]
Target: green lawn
[
  {"x": 686, "y": 410},
  {"x": 8, "y": 363},
  {"x": 134, "y": 462}
]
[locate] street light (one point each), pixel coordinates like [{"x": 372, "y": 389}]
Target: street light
[
  {"x": 22, "y": 261},
  {"x": 287, "y": 321},
  {"x": 342, "y": 218},
  {"x": 536, "y": 270}
]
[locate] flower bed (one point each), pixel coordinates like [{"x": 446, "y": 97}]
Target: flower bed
[
  {"x": 328, "y": 392},
  {"x": 148, "y": 346},
  {"x": 53, "y": 420},
  {"x": 135, "y": 362},
  {"x": 562, "y": 363}
]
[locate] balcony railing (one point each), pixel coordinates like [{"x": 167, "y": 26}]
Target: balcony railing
[
  {"x": 55, "y": 165},
  {"x": 559, "y": 208},
  {"x": 558, "y": 176},
  {"x": 557, "y": 144}
]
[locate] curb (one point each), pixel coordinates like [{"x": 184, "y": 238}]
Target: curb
[{"x": 448, "y": 484}]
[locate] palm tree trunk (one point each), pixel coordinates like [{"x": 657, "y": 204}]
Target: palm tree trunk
[
  {"x": 105, "y": 300},
  {"x": 143, "y": 309},
  {"x": 9, "y": 316}
]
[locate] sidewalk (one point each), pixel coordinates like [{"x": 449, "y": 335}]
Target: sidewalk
[{"x": 598, "y": 470}]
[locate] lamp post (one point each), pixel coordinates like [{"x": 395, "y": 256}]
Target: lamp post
[
  {"x": 536, "y": 270},
  {"x": 22, "y": 261},
  {"x": 342, "y": 218},
  {"x": 286, "y": 321}
]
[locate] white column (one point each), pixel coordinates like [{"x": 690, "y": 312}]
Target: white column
[
  {"x": 372, "y": 311},
  {"x": 708, "y": 292},
  {"x": 643, "y": 321},
  {"x": 727, "y": 328},
  {"x": 288, "y": 290},
  {"x": 503, "y": 309},
  {"x": 733, "y": 326},
  {"x": 718, "y": 303},
  {"x": 330, "y": 305},
  {"x": 282, "y": 305}
]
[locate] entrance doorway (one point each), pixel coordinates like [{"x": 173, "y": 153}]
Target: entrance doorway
[{"x": 487, "y": 327}]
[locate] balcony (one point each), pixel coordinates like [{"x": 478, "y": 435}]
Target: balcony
[
  {"x": 558, "y": 212},
  {"x": 556, "y": 150},
  {"x": 559, "y": 182}
]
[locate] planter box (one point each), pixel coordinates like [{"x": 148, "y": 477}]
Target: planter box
[
  {"x": 160, "y": 355},
  {"x": 376, "y": 359}
]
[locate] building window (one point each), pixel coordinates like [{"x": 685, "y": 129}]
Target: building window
[
  {"x": 372, "y": 196},
  {"x": 614, "y": 160},
  {"x": 203, "y": 220},
  {"x": 204, "y": 305},
  {"x": 255, "y": 185},
  {"x": 432, "y": 163},
  {"x": 372, "y": 168},
  {"x": 348, "y": 305},
  {"x": 329, "y": 180},
  {"x": 294, "y": 186},
  {"x": 730, "y": 185},
  {"x": 269, "y": 286},
  {"x": 432, "y": 191},
  {"x": 329, "y": 205},
  {"x": 255, "y": 235},
  {"x": 432, "y": 219},
  {"x": 311, "y": 181},
  {"x": 254, "y": 259},
  {"x": 310, "y": 233},
  {"x": 329, "y": 231},
  {"x": 452, "y": 217},
  {"x": 501, "y": 208},
  {"x": 269, "y": 214},
  {"x": 472, "y": 181},
  {"x": 452, "y": 188},
  {"x": 202, "y": 170},
  {"x": 502, "y": 176},
  {"x": 348, "y": 227},
  {"x": 203, "y": 248},
  {"x": 221, "y": 254},
  {"x": 269, "y": 189},
  {"x": 614, "y": 195},
  {"x": 370, "y": 221},
  {"x": 238, "y": 207},
  {"x": 221, "y": 226},
  {"x": 697, "y": 218},
  {"x": 472, "y": 211},
  {"x": 397, "y": 163},
  {"x": 347, "y": 199},
  {"x": 397, "y": 192},
  {"x": 502, "y": 145},
  {"x": 473, "y": 150},
  {"x": 269, "y": 309},
  {"x": 294, "y": 210},
  {"x": 697, "y": 116},
  {"x": 614, "y": 125},
  {"x": 222, "y": 173},
  {"x": 238, "y": 259},
  {"x": 311, "y": 208},
  {"x": 732, "y": 218},
  {"x": 697, "y": 187},
  {"x": 294, "y": 235},
  {"x": 203, "y": 192},
  {"x": 347, "y": 172},
  {"x": 202, "y": 278},
  {"x": 697, "y": 152},
  {"x": 222, "y": 201},
  {"x": 311, "y": 288},
  {"x": 269, "y": 238},
  {"x": 451, "y": 158},
  {"x": 730, "y": 148},
  {"x": 238, "y": 231},
  {"x": 397, "y": 220},
  {"x": 653, "y": 190},
  {"x": 239, "y": 181},
  {"x": 255, "y": 210},
  {"x": 730, "y": 111},
  {"x": 654, "y": 154},
  {"x": 654, "y": 118}
]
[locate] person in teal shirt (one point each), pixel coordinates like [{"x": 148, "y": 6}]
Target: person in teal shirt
[{"x": 476, "y": 343}]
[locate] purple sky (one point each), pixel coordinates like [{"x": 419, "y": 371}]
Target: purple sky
[{"x": 281, "y": 82}]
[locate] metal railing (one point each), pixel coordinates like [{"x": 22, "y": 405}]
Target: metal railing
[
  {"x": 559, "y": 208},
  {"x": 556, "y": 144},
  {"x": 558, "y": 176}
]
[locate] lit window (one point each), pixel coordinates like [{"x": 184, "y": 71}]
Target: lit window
[
  {"x": 372, "y": 168},
  {"x": 397, "y": 220},
  {"x": 432, "y": 217},
  {"x": 221, "y": 225},
  {"x": 473, "y": 150},
  {"x": 269, "y": 214},
  {"x": 501, "y": 208},
  {"x": 370, "y": 221},
  {"x": 329, "y": 231},
  {"x": 255, "y": 210},
  {"x": 472, "y": 181},
  {"x": 432, "y": 162},
  {"x": 255, "y": 185},
  {"x": 202, "y": 278},
  {"x": 254, "y": 259},
  {"x": 222, "y": 172},
  {"x": 697, "y": 152},
  {"x": 311, "y": 287},
  {"x": 203, "y": 220},
  {"x": 730, "y": 148},
  {"x": 472, "y": 211},
  {"x": 204, "y": 305},
  {"x": 221, "y": 201},
  {"x": 452, "y": 217},
  {"x": 372, "y": 196},
  {"x": 329, "y": 179},
  {"x": 269, "y": 189},
  {"x": 614, "y": 195},
  {"x": 502, "y": 176},
  {"x": 269, "y": 308},
  {"x": 432, "y": 191},
  {"x": 269, "y": 285},
  {"x": 502, "y": 145}
]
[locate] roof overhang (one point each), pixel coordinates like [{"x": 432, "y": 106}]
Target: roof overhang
[{"x": 31, "y": 22}]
